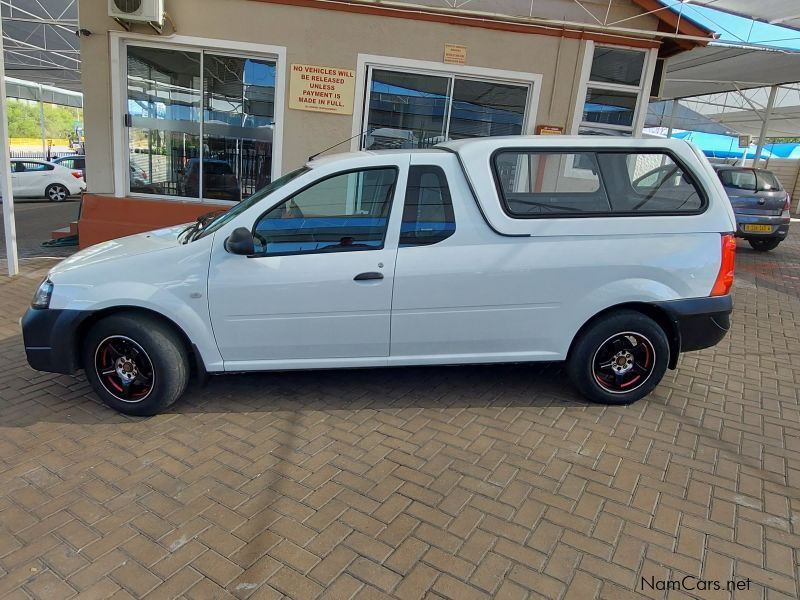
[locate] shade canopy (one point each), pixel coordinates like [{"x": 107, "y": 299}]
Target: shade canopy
[
  {"x": 725, "y": 68},
  {"x": 40, "y": 43},
  {"x": 776, "y": 12}
]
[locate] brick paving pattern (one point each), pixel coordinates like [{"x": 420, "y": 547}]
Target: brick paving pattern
[{"x": 467, "y": 482}]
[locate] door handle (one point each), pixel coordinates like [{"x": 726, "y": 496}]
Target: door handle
[{"x": 368, "y": 276}]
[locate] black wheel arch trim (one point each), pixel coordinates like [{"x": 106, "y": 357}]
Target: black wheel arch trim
[
  {"x": 53, "y": 337},
  {"x": 690, "y": 323},
  {"x": 699, "y": 322}
]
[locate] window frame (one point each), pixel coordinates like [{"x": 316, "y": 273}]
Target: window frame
[
  {"x": 641, "y": 91},
  {"x": 697, "y": 181},
  {"x": 120, "y": 40},
  {"x": 367, "y": 62},
  {"x": 311, "y": 184}
]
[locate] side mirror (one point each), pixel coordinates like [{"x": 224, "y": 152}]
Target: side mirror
[{"x": 240, "y": 242}]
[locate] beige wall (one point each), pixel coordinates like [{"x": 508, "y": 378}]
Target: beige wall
[{"x": 330, "y": 38}]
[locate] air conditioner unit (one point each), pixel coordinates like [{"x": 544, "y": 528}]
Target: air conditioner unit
[{"x": 141, "y": 11}]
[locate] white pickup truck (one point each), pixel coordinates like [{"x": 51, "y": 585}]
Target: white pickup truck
[{"x": 612, "y": 254}]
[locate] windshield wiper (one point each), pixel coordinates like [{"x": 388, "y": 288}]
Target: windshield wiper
[{"x": 201, "y": 223}]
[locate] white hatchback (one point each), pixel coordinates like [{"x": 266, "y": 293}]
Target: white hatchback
[
  {"x": 32, "y": 178},
  {"x": 614, "y": 255}
]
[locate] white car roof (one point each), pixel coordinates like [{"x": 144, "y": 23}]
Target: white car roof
[{"x": 490, "y": 144}]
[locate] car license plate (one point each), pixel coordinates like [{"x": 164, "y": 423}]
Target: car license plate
[{"x": 757, "y": 228}]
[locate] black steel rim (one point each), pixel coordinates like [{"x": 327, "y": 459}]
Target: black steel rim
[
  {"x": 124, "y": 369},
  {"x": 624, "y": 362}
]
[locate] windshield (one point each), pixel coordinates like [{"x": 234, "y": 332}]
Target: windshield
[{"x": 257, "y": 197}]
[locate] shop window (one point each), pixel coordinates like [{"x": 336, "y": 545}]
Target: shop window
[
  {"x": 418, "y": 110},
  {"x": 200, "y": 123},
  {"x": 614, "y": 91}
]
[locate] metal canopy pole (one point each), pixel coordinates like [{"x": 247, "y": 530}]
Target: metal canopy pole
[
  {"x": 673, "y": 113},
  {"x": 765, "y": 124},
  {"x": 9, "y": 223},
  {"x": 42, "y": 129}
]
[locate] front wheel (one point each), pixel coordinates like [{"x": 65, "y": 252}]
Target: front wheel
[
  {"x": 56, "y": 192},
  {"x": 619, "y": 358},
  {"x": 137, "y": 364},
  {"x": 764, "y": 245}
]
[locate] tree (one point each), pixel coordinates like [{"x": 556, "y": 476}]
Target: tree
[{"x": 23, "y": 119}]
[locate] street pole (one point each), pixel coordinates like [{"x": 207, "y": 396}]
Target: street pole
[{"x": 9, "y": 224}]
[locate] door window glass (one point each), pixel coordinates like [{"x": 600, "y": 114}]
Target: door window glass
[
  {"x": 346, "y": 212},
  {"x": 27, "y": 167},
  {"x": 428, "y": 210}
]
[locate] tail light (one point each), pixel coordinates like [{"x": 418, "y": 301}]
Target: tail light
[
  {"x": 722, "y": 286},
  {"x": 787, "y": 206},
  {"x": 77, "y": 174}
]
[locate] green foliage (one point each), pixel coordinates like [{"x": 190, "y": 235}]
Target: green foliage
[{"x": 23, "y": 120}]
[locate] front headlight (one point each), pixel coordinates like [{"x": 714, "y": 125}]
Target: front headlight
[{"x": 41, "y": 299}]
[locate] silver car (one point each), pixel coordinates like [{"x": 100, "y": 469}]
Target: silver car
[{"x": 760, "y": 203}]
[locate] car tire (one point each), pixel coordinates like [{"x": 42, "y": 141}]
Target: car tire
[
  {"x": 55, "y": 192},
  {"x": 136, "y": 363},
  {"x": 619, "y": 358},
  {"x": 764, "y": 245}
]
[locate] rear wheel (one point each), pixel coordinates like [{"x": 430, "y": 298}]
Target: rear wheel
[
  {"x": 135, "y": 363},
  {"x": 619, "y": 358},
  {"x": 56, "y": 192},
  {"x": 764, "y": 245}
]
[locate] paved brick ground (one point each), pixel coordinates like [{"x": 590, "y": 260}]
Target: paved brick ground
[{"x": 442, "y": 482}]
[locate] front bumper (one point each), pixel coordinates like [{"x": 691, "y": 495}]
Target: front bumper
[
  {"x": 51, "y": 339},
  {"x": 698, "y": 322}
]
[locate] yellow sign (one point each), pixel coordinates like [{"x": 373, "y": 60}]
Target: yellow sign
[
  {"x": 549, "y": 130},
  {"x": 455, "y": 54},
  {"x": 322, "y": 89}
]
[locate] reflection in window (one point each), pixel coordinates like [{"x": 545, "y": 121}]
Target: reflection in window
[
  {"x": 609, "y": 107},
  {"x": 406, "y": 110},
  {"x": 163, "y": 104},
  {"x": 415, "y": 110},
  {"x": 168, "y": 97},
  {"x": 483, "y": 109},
  {"x": 346, "y": 212},
  {"x": 616, "y": 65},
  {"x": 238, "y": 113},
  {"x": 613, "y": 91}
]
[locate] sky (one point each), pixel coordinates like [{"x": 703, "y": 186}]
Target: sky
[{"x": 739, "y": 29}]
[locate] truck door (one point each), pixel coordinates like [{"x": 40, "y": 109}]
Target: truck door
[{"x": 320, "y": 287}]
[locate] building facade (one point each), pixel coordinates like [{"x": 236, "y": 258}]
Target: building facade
[{"x": 233, "y": 93}]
